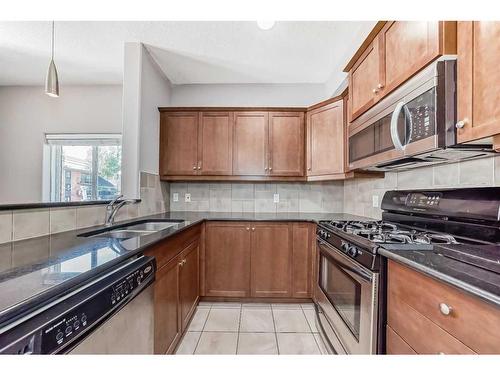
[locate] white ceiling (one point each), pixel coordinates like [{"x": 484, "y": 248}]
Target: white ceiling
[{"x": 187, "y": 52}]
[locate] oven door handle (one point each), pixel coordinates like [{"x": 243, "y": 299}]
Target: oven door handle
[{"x": 353, "y": 268}]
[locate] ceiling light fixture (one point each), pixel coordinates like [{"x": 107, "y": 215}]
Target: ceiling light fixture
[
  {"x": 52, "y": 80},
  {"x": 266, "y": 25}
]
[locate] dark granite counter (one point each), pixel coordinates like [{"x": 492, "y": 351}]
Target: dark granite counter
[
  {"x": 474, "y": 280},
  {"x": 40, "y": 268}
]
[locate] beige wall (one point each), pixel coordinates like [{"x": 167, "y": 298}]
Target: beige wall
[
  {"x": 358, "y": 193},
  {"x": 258, "y": 197}
]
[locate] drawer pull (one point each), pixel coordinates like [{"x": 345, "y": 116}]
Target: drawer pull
[{"x": 445, "y": 309}]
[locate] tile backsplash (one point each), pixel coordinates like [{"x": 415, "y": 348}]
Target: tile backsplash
[
  {"x": 258, "y": 197},
  {"x": 28, "y": 223},
  {"x": 358, "y": 193}
]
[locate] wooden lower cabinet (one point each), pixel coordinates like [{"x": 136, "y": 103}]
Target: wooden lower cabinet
[
  {"x": 453, "y": 321},
  {"x": 258, "y": 259},
  {"x": 189, "y": 282},
  {"x": 271, "y": 260}
]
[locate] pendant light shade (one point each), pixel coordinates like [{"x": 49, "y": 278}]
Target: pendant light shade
[{"x": 52, "y": 80}]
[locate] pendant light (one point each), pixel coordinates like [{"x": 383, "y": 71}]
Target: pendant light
[{"x": 52, "y": 81}]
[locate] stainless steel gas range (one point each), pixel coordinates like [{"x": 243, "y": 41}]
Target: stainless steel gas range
[{"x": 350, "y": 290}]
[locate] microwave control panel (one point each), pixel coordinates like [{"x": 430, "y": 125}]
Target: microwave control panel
[{"x": 422, "y": 116}]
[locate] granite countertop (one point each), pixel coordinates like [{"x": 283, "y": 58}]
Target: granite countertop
[
  {"x": 474, "y": 280},
  {"x": 39, "y": 268}
]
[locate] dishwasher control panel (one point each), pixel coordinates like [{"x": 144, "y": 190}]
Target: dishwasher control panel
[{"x": 60, "y": 327}]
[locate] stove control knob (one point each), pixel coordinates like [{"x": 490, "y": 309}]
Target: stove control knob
[
  {"x": 344, "y": 246},
  {"x": 353, "y": 251}
]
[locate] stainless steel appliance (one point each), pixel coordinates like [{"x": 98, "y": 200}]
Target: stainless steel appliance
[
  {"x": 414, "y": 126},
  {"x": 109, "y": 314},
  {"x": 463, "y": 224}
]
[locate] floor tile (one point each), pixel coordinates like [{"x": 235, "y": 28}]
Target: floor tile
[
  {"x": 307, "y": 306},
  {"x": 256, "y": 306},
  {"x": 256, "y": 320},
  {"x": 290, "y": 321},
  {"x": 188, "y": 343},
  {"x": 257, "y": 343},
  {"x": 198, "y": 320},
  {"x": 287, "y": 306},
  {"x": 297, "y": 343},
  {"x": 226, "y": 305},
  {"x": 321, "y": 343},
  {"x": 203, "y": 304},
  {"x": 227, "y": 320},
  {"x": 217, "y": 343},
  {"x": 311, "y": 319}
]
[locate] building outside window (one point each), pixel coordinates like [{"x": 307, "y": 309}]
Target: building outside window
[{"x": 83, "y": 167}]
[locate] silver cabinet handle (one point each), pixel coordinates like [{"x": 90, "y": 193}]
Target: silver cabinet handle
[
  {"x": 194, "y": 168},
  {"x": 199, "y": 167},
  {"x": 270, "y": 168},
  {"x": 253, "y": 229},
  {"x": 374, "y": 91},
  {"x": 461, "y": 123},
  {"x": 309, "y": 168},
  {"x": 248, "y": 228},
  {"x": 380, "y": 86},
  {"x": 445, "y": 309},
  {"x": 394, "y": 127}
]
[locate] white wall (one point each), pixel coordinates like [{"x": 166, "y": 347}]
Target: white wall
[
  {"x": 265, "y": 95},
  {"x": 26, "y": 114}
]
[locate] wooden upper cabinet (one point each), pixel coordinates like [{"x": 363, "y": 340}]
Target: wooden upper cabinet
[
  {"x": 364, "y": 80},
  {"x": 271, "y": 260},
  {"x": 215, "y": 147},
  {"x": 392, "y": 54},
  {"x": 478, "y": 76},
  {"x": 326, "y": 140},
  {"x": 250, "y": 143},
  {"x": 179, "y": 143},
  {"x": 286, "y": 143}
]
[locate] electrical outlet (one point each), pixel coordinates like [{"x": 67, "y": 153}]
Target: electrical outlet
[
  {"x": 187, "y": 197},
  {"x": 175, "y": 197},
  {"x": 375, "y": 200},
  {"x": 276, "y": 198}
]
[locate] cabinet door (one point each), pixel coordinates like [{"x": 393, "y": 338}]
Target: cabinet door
[
  {"x": 250, "y": 147},
  {"x": 286, "y": 143},
  {"x": 478, "y": 75},
  {"x": 302, "y": 241},
  {"x": 364, "y": 80},
  {"x": 325, "y": 140},
  {"x": 166, "y": 307},
  {"x": 406, "y": 46},
  {"x": 215, "y": 151},
  {"x": 189, "y": 282},
  {"x": 227, "y": 259},
  {"x": 179, "y": 143},
  {"x": 271, "y": 260}
]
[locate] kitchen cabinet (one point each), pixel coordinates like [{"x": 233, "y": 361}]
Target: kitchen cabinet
[
  {"x": 326, "y": 139},
  {"x": 178, "y": 143},
  {"x": 258, "y": 259},
  {"x": 271, "y": 260},
  {"x": 215, "y": 143},
  {"x": 478, "y": 81},
  {"x": 454, "y": 322},
  {"x": 189, "y": 282},
  {"x": 286, "y": 143},
  {"x": 250, "y": 149},
  {"x": 393, "y": 54},
  {"x": 227, "y": 259}
]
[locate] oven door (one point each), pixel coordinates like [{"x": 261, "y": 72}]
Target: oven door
[{"x": 348, "y": 299}]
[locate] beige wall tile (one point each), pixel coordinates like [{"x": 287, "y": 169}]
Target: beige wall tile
[
  {"x": 90, "y": 216},
  {"x": 5, "y": 226},
  {"x": 30, "y": 223},
  {"x": 446, "y": 175},
  {"x": 62, "y": 219},
  {"x": 477, "y": 172}
]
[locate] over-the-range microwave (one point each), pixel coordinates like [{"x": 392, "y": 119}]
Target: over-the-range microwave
[{"x": 414, "y": 126}]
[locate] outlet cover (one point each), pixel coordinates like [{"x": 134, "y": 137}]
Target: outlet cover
[
  {"x": 276, "y": 198},
  {"x": 175, "y": 197},
  {"x": 187, "y": 197},
  {"x": 375, "y": 200}
]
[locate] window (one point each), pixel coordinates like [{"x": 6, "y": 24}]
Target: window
[{"x": 83, "y": 167}]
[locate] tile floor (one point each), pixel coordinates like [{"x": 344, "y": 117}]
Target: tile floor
[{"x": 252, "y": 328}]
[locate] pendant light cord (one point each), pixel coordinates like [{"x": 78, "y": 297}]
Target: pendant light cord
[{"x": 52, "y": 40}]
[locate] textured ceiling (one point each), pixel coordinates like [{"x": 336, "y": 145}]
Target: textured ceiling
[{"x": 187, "y": 52}]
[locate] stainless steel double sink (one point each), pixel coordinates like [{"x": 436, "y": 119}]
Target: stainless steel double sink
[{"x": 136, "y": 229}]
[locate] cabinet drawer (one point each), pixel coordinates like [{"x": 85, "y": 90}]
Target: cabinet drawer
[
  {"x": 419, "y": 332},
  {"x": 472, "y": 321},
  {"x": 396, "y": 345}
]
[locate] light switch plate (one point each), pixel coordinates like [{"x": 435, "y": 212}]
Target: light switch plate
[
  {"x": 187, "y": 197},
  {"x": 276, "y": 198},
  {"x": 175, "y": 197},
  {"x": 375, "y": 200}
]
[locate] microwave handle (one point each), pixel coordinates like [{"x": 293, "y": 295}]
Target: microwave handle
[{"x": 394, "y": 127}]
